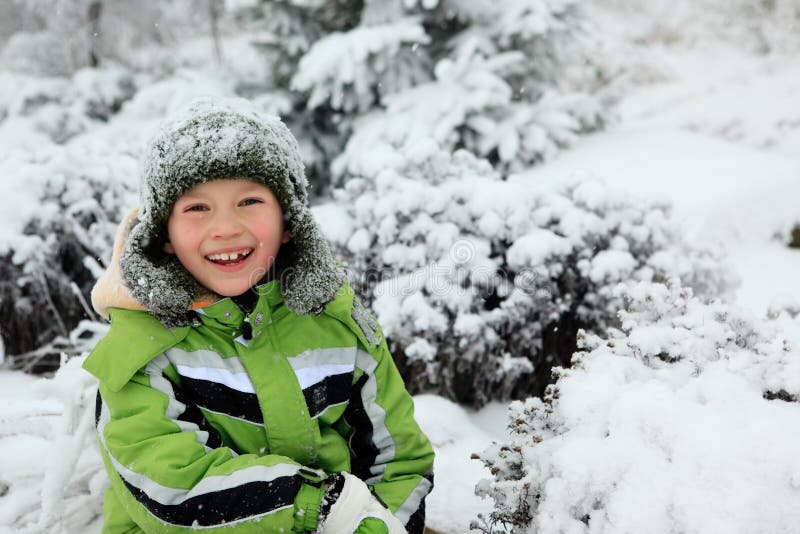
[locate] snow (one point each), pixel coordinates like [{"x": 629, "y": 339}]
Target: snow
[
  {"x": 713, "y": 131},
  {"x": 687, "y": 442},
  {"x": 343, "y": 59},
  {"x": 720, "y": 191},
  {"x": 49, "y": 422},
  {"x": 536, "y": 247},
  {"x": 456, "y": 433}
]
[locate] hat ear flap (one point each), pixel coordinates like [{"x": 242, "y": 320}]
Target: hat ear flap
[
  {"x": 157, "y": 279},
  {"x": 310, "y": 277}
]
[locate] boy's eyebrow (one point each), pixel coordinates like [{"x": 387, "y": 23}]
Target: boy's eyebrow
[
  {"x": 189, "y": 196},
  {"x": 250, "y": 187}
]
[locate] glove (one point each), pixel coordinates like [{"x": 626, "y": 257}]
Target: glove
[{"x": 354, "y": 504}]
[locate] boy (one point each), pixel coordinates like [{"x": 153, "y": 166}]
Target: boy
[{"x": 243, "y": 387}]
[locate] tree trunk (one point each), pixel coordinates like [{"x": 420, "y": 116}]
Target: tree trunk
[
  {"x": 794, "y": 238},
  {"x": 214, "y": 9},
  {"x": 93, "y": 18}
]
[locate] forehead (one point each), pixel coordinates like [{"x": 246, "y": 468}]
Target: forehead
[{"x": 227, "y": 186}]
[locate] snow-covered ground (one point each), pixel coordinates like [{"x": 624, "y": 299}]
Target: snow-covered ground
[
  {"x": 718, "y": 135},
  {"x": 715, "y": 140}
]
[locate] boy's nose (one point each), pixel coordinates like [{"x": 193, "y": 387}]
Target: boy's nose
[{"x": 225, "y": 226}]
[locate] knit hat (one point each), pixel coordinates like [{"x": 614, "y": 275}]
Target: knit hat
[{"x": 216, "y": 138}]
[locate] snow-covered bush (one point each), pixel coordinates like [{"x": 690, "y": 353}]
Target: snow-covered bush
[
  {"x": 513, "y": 85},
  {"x": 481, "y": 282},
  {"x": 38, "y": 54},
  {"x": 57, "y": 230},
  {"x": 683, "y": 420},
  {"x": 470, "y": 105},
  {"x": 508, "y": 80},
  {"x": 101, "y": 92},
  {"x": 62, "y": 108},
  {"x": 53, "y": 421},
  {"x": 283, "y": 31},
  {"x": 354, "y": 71}
]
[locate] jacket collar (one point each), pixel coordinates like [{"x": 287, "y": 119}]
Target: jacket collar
[{"x": 265, "y": 299}]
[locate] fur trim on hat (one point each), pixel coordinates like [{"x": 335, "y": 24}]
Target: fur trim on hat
[
  {"x": 213, "y": 139},
  {"x": 110, "y": 291}
]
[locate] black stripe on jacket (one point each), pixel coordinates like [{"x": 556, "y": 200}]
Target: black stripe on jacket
[
  {"x": 220, "y": 398},
  {"x": 364, "y": 450},
  {"x": 192, "y": 414},
  {"x": 251, "y": 499},
  {"x": 416, "y": 523},
  {"x": 333, "y": 389}
]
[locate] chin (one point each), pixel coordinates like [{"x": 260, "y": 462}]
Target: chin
[{"x": 231, "y": 291}]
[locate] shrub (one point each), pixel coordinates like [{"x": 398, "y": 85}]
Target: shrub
[
  {"x": 681, "y": 420},
  {"x": 37, "y": 53},
  {"x": 481, "y": 281},
  {"x": 55, "y": 254}
]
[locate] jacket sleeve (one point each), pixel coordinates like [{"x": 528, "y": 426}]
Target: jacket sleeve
[
  {"x": 171, "y": 473},
  {"x": 389, "y": 450}
]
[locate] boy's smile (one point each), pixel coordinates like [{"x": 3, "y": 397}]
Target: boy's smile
[
  {"x": 226, "y": 233},
  {"x": 230, "y": 261},
  {"x": 230, "y": 258}
]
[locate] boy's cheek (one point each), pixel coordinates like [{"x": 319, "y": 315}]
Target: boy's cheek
[{"x": 168, "y": 248}]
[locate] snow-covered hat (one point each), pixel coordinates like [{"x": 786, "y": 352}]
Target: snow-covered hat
[{"x": 215, "y": 138}]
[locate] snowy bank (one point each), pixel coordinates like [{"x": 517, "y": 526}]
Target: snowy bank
[{"x": 683, "y": 421}]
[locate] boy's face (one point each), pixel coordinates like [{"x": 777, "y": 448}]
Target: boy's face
[{"x": 226, "y": 233}]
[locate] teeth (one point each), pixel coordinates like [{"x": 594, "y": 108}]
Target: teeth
[{"x": 224, "y": 256}]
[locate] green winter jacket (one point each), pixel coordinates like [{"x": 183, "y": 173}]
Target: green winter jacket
[{"x": 203, "y": 428}]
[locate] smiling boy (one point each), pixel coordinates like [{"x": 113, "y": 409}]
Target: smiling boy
[
  {"x": 226, "y": 233},
  {"x": 243, "y": 387}
]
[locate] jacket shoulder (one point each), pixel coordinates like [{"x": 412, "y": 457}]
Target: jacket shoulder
[
  {"x": 348, "y": 308},
  {"x": 135, "y": 338}
]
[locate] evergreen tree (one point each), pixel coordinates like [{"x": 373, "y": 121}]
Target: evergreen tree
[{"x": 505, "y": 79}]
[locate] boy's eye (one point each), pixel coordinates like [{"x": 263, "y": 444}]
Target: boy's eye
[
  {"x": 195, "y": 207},
  {"x": 251, "y": 201}
]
